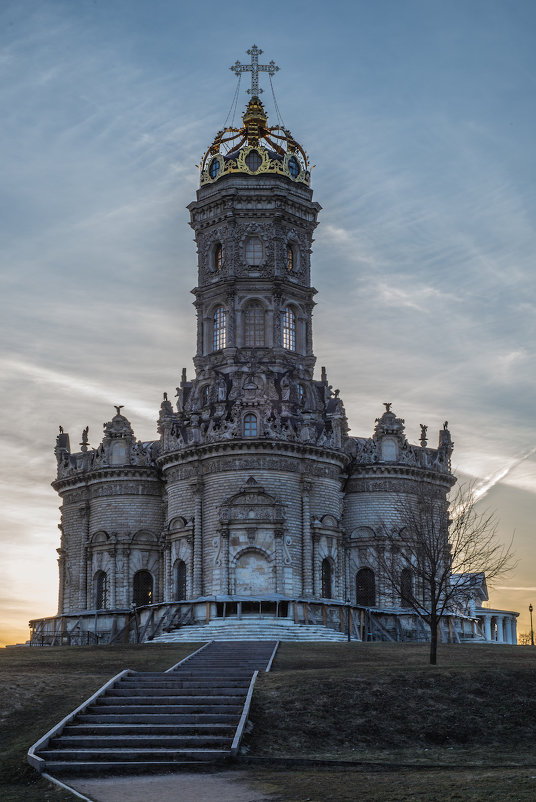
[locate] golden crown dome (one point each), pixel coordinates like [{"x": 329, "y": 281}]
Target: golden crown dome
[{"x": 255, "y": 148}]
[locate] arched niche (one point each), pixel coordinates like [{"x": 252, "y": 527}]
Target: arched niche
[{"x": 253, "y": 573}]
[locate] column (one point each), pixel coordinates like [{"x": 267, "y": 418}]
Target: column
[
  {"x": 347, "y": 555},
  {"x": 278, "y": 537},
  {"x": 113, "y": 578},
  {"x": 487, "y": 627},
  {"x": 508, "y": 629},
  {"x": 197, "y": 490},
  {"x": 61, "y": 569},
  {"x": 225, "y": 561},
  {"x": 500, "y": 638},
  {"x": 167, "y": 589},
  {"x": 307, "y": 550}
]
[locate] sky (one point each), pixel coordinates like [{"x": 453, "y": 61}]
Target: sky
[{"x": 419, "y": 117}]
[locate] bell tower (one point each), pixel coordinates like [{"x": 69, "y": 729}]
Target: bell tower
[{"x": 254, "y": 219}]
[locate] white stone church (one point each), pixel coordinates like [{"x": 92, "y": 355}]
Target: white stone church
[{"x": 253, "y": 504}]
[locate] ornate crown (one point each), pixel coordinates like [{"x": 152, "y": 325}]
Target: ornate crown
[{"x": 254, "y": 149}]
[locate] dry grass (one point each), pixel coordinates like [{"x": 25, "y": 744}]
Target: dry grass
[
  {"x": 382, "y": 701},
  {"x": 362, "y": 702}
]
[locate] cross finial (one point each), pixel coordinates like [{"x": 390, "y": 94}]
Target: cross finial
[
  {"x": 254, "y": 68},
  {"x": 387, "y": 406},
  {"x": 119, "y": 408}
]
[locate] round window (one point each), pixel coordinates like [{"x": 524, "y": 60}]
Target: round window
[
  {"x": 294, "y": 167},
  {"x": 214, "y": 168}
]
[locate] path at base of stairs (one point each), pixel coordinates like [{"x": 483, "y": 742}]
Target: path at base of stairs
[{"x": 224, "y": 786}]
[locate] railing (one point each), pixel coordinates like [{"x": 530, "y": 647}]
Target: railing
[{"x": 142, "y": 624}]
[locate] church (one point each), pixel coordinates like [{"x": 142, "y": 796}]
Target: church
[{"x": 252, "y": 502}]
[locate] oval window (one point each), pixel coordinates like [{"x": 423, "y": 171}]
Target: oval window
[
  {"x": 294, "y": 167},
  {"x": 253, "y": 160},
  {"x": 214, "y": 167}
]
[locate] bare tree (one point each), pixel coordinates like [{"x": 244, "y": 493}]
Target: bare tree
[{"x": 433, "y": 558}]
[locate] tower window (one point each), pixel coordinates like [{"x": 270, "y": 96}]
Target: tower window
[
  {"x": 206, "y": 395},
  {"x": 253, "y": 160},
  {"x": 253, "y": 251},
  {"x": 250, "y": 425},
  {"x": 301, "y": 393},
  {"x": 365, "y": 587},
  {"x": 254, "y": 325},
  {"x": 143, "y": 588},
  {"x": 218, "y": 256},
  {"x": 101, "y": 590},
  {"x": 288, "y": 322},
  {"x": 219, "y": 331},
  {"x": 290, "y": 258}
]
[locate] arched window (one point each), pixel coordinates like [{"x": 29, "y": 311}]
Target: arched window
[
  {"x": 326, "y": 579},
  {"x": 254, "y": 325},
  {"x": 219, "y": 330},
  {"x": 205, "y": 395},
  {"x": 218, "y": 256},
  {"x": 180, "y": 580},
  {"x": 406, "y": 587},
  {"x": 101, "y": 590},
  {"x": 288, "y": 324},
  {"x": 365, "y": 587},
  {"x": 290, "y": 258},
  {"x": 250, "y": 425},
  {"x": 301, "y": 394},
  {"x": 253, "y": 251},
  {"x": 143, "y": 588}
]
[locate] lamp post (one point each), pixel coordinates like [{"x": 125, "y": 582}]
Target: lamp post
[
  {"x": 348, "y": 633},
  {"x": 531, "y": 608}
]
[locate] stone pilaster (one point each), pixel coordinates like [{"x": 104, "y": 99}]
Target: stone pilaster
[
  {"x": 225, "y": 561},
  {"x": 197, "y": 490},
  {"x": 307, "y": 551},
  {"x": 279, "y": 578}
]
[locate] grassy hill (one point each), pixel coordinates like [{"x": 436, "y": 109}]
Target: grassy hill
[{"x": 377, "y": 703}]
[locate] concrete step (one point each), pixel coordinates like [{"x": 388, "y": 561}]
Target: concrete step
[
  {"x": 104, "y": 710},
  {"x": 97, "y": 768},
  {"x": 165, "y": 693},
  {"x": 146, "y": 741},
  {"x": 106, "y": 728},
  {"x": 251, "y": 630},
  {"x": 175, "y": 701},
  {"x": 164, "y": 717},
  {"x": 132, "y": 755}
]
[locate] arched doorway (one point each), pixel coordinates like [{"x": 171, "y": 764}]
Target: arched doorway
[
  {"x": 365, "y": 587},
  {"x": 142, "y": 588}
]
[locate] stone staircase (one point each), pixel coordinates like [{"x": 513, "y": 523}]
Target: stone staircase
[
  {"x": 151, "y": 721},
  {"x": 254, "y": 629}
]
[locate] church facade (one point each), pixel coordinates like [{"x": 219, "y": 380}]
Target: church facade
[{"x": 253, "y": 493}]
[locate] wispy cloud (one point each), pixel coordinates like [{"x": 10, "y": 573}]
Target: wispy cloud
[{"x": 485, "y": 485}]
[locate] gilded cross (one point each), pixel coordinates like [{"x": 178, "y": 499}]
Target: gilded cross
[{"x": 254, "y": 68}]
